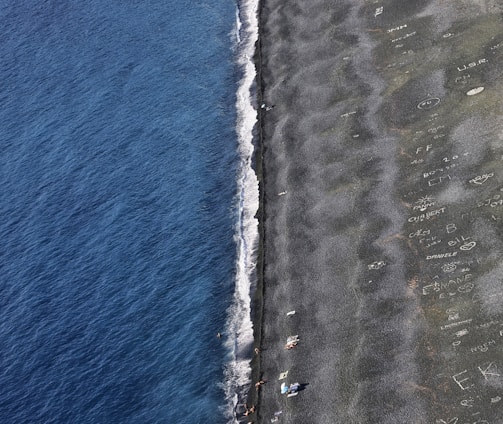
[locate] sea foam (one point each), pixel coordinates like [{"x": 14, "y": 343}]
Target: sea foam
[{"x": 239, "y": 325}]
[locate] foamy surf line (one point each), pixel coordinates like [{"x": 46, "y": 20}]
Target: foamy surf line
[{"x": 239, "y": 328}]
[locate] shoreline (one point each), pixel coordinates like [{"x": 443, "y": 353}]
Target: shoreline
[{"x": 253, "y": 397}]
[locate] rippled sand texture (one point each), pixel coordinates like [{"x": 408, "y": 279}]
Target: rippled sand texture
[{"x": 383, "y": 215}]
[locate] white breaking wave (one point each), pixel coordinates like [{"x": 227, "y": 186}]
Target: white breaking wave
[{"x": 239, "y": 328}]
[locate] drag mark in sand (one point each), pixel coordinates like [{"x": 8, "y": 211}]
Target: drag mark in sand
[
  {"x": 397, "y": 28},
  {"x": 429, "y": 103},
  {"x": 462, "y": 68},
  {"x": 481, "y": 179}
]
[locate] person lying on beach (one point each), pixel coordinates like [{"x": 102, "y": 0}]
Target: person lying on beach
[
  {"x": 294, "y": 388},
  {"x": 287, "y": 390},
  {"x": 267, "y": 108},
  {"x": 291, "y": 342},
  {"x": 250, "y": 410},
  {"x": 258, "y": 384}
]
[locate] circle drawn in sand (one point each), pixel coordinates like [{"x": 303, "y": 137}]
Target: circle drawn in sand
[
  {"x": 474, "y": 91},
  {"x": 428, "y": 103}
]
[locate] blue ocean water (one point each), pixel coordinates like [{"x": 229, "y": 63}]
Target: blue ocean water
[{"x": 120, "y": 173}]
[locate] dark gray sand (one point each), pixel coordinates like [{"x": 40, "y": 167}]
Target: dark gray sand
[{"x": 383, "y": 211}]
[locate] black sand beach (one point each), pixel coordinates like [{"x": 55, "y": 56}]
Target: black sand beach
[{"x": 382, "y": 184}]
